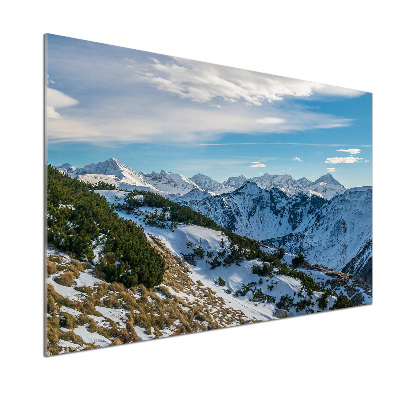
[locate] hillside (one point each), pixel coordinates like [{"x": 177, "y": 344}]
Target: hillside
[
  {"x": 339, "y": 234},
  {"x": 258, "y": 213},
  {"x": 211, "y": 277},
  {"x": 268, "y": 207}
]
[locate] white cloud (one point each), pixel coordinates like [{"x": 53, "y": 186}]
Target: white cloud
[
  {"x": 342, "y": 160},
  {"x": 336, "y": 91},
  {"x": 330, "y": 125},
  {"x": 297, "y": 159},
  {"x": 331, "y": 169},
  {"x": 351, "y": 151},
  {"x": 203, "y": 82},
  {"x": 122, "y": 113},
  {"x": 56, "y": 99},
  {"x": 270, "y": 120},
  {"x": 258, "y": 165},
  {"x": 122, "y": 122}
]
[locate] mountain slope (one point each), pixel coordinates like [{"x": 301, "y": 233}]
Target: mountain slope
[
  {"x": 112, "y": 172},
  {"x": 193, "y": 195},
  {"x": 339, "y": 235},
  {"x": 285, "y": 183},
  {"x": 258, "y": 213},
  {"x": 326, "y": 186},
  {"x": 235, "y": 181},
  {"x": 170, "y": 183},
  {"x": 212, "y": 277},
  {"x": 210, "y": 185},
  {"x": 335, "y": 233}
]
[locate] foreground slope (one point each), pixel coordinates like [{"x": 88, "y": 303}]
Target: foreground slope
[{"x": 211, "y": 277}]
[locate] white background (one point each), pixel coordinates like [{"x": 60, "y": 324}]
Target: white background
[{"x": 337, "y": 355}]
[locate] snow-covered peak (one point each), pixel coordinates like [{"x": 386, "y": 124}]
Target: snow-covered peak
[
  {"x": 114, "y": 172},
  {"x": 194, "y": 195},
  {"x": 328, "y": 179},
  {"x": 109, "y": 167},
  {"x": 249, "y": 188},
  {"x": 304, "y": 182},
  {"x": 170, "y": 182},
  {"x": 235, "y": 181},
  {"x": 283, "y": 182},
  {"x": 66, "y": 168},
  {"x": 207, "y": 183}
]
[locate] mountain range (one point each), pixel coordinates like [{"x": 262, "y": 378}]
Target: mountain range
[
  {"x": 169, "y": 183},
  {"x": 331, "y": 225}
]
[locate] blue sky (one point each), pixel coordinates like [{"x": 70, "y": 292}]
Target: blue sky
[{"x": 156, "y": 112}]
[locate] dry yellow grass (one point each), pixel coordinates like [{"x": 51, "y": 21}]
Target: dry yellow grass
[
  {"x": 155, "y": 310},
  {"x": 66, "y": 279}
]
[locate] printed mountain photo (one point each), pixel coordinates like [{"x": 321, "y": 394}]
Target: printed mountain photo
[{"x": 184, "y": 196}]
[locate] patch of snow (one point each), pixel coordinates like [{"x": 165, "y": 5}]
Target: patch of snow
[
  {"x": 91, "y": 337},
  {"x": 67, "y": 344},
  {"x": 71, "y": 311},
  {"x": 87, "y": 279},
  {"x": 142, "y": 335},
  {"x": 116, "y": 315},
  {"x": 66, "y": 291}
]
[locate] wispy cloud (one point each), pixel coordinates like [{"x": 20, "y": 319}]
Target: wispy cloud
[
  {"x": 350, "y": 151},
  {"x": 270, "y": 120},
  {"x": 123, "y": 121},
  {"x": 203, "y": 82},
  {"x": 343, "y": 160},
  {"x": 298, "y": 159},
  {"x": 331, "y": 169},
  {"x": 138, "y": 97},
  {"x": 257, "y": 165},
  {"x": 277, "y": 143}
]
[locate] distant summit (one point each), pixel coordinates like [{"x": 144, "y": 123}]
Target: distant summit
[
  {"x": 170, "y": 182},
  {"x": 207, "y": 183},
  {"x": 110, "y": 171},
  {"x": 304, "y": 182},
  {"x": 235, "y": 181},
  {"x": 329, "y": 179}
]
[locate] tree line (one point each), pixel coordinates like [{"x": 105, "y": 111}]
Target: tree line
[{"x": 80, "y": 220}]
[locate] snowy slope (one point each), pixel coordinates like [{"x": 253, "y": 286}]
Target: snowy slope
[
  {"x": 332, "y": 233},
  {"x": 325, "y": 190},
  {"x": 257, "y": 213},
  {"x": 90, "y": 313},
  {"x": 338, "y": 233},
  {"x": 114, "y": 172},
  {"x": 326, "y": 186},
  {"x": 210, "y": 185},
  {"x": 170, "y": 183},
  {"x": 304, "y": 182},
  {"x": 193, "y": 195},
  {"x": 235, "y": 181},
  {"x": 285, "y": 183},
  {"x": 235, "y": 276}
]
